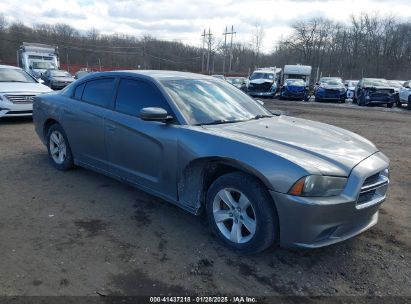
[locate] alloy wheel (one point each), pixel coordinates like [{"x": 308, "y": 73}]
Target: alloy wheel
[
  {"x": 58, "y": 148},
  {"x": 234, "y": 215}
]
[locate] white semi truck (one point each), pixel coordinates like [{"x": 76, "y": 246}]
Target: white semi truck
[
  {"x": 297, "y": 72},
  {"x": 36, "y": 58}
]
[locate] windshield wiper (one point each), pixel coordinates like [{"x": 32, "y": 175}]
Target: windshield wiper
[
  {"x": 218, "y": 122},
  {"x": 12, "y": 81},
  {"x": 259, "y": 116}
]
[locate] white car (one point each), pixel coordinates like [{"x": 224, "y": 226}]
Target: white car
[
  {"x": 350, "y": 85},
  {"x": 17, "y": 90},
  {"x": 405, "y": 94}
]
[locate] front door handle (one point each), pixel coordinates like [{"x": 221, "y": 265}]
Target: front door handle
[{"x": 110, "y": 127}]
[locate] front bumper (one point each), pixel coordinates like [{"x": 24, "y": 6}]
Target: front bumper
[
  {"x": 9, "y": 109},
  {"x": 294, "y": 95},
  {"x": 261, "y": 94},
  {"x": 336, "y": 95},
  {"x": 307, "y": 222}
]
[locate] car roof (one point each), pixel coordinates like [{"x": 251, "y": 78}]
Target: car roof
[
  {"x": 264, "y": 71},
  {"x": 4, "y": 66},
  {"x": 153, "y": 74}
]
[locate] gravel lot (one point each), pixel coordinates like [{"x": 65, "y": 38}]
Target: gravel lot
[{"x": 80, "y": 233}]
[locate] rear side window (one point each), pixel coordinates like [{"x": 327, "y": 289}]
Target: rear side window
[
  {"x": 133, "y": 95},
  {"x": 99, "y": 92},
  {"x": 79, "y": 91}
]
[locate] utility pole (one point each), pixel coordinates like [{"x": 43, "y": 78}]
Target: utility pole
[
  {"x": 203, "y": 51},
  {"x": 209, "y": 50},
  {"x": 67, "y": 61},
  {"x": 225, "y": 48},
  {"x": 231, "y": 47}
]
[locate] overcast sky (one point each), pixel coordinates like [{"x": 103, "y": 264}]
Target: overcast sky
[{"x": 184, "y": 20}]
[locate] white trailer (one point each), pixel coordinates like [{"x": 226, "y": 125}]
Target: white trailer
[
  {"x": 36, "y": 58},
  {"x": 297, "y": 72}
]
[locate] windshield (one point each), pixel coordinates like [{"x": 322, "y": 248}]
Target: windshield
[
  {"x": 207, "y": 101},
  {"x": 43, "y": 65},
  {"x": 376, "y": 83},
  {"x": 259, "y": 75},
  {"x": 327, "y": 79},
  {"x": 15, "y": 75},
  {"x": 396, "y": 83},
  {"x": 235, "y": 80},
  {"x": 295, "y": 82},
  {"x": 333, "y": 82},
  {"x": 59, "y": 73}
]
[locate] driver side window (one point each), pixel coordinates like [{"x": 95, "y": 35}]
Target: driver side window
[{"x": 134, "y": 95}]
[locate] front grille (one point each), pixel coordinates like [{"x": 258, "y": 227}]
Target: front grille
[
  {"x": 20, "y": 98},
  {"x": 262, "y": 87},
  {"x": 373, "y": 189}
]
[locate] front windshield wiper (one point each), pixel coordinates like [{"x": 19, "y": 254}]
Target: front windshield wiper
[
  {"x": 259, "y": 116},
  {"x": 12, "y": 81},
  {"x": 218, "y": 122}
]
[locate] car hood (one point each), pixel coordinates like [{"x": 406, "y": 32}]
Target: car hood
[
  {"x": 63, "y": 79},
  {"x": 17, "y": 87},
  {"x": 329, "y": 86},
  {"x": 319, "y": 148},
  {"x": 260, "y": 81}
]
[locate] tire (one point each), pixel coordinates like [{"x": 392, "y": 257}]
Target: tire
[
  {"x": 240, "y": 190},
  {"x": 389, "y": 105},
  {"x": 361, "y": 101},
  {"x": 409, "y": 103},
  {"x": 399, "y": 104},
  {"x": 58, "y": 148}
]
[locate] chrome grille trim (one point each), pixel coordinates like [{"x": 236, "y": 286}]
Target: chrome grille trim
[
  {"x": 20, "y": 98},
  {"x": 373, "y": 190}
]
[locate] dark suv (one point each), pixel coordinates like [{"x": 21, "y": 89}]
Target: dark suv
[{"x": 374, "y": 91}]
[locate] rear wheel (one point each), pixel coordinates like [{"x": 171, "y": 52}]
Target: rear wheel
[
  {"x": 58, "y": 148},
  {"x": 389, "y": 105},
  {"x": 241, "y": 213}
]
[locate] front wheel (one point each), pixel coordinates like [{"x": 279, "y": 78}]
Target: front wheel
[
  {"x": 241, "y": 213},
  {"x": 58, "y": 148}
]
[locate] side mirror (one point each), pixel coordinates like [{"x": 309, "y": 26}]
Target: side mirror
[{"x": 154, "y": 114}]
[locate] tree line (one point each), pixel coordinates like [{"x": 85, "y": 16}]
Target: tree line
[{"x": 368, "y": 46}]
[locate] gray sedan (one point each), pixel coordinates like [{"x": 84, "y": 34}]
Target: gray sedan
[{"x": 205, "y": 146}]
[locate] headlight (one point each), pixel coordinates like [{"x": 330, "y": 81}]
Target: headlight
[{"x": 318, "y": 185}]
